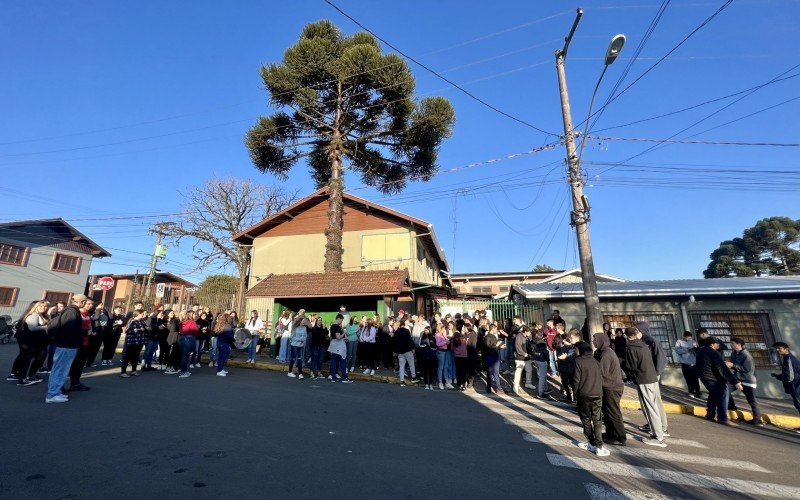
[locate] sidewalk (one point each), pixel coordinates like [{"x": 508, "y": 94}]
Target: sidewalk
[{"x": 775, "y": 412}]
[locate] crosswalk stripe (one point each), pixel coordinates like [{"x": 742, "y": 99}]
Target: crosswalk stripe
[
  {"x": 526, "y": 424},
  {"x": 655, "y": 454},
  {"x": 741, "y": 486},
  {"x": 604, "y": 492},
  {"x": 522, "y": 414}
]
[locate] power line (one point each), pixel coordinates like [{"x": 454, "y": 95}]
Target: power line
[
  {"x": 687, "y": 141},
  {"x": 438, "y": 75}
]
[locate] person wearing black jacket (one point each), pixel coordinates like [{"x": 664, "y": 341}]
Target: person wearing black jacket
[
  {"x": 659, "y": 357},
  {"x": 404, "y": 347},
  {"x": 67, "y": 328},
  {"x": 151, "y": 325},
  {"x": 101, "y": 325},
  {"x": 589, "y": 393},
  {"x": 112, "y": 336},
  {"x": 639, "y": 362},
  {"x": 716, "y": 376},
  {"x": 612, "y": 390}
]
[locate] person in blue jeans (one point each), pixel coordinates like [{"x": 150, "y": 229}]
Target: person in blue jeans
[
  {"x": 152, "y": 323},
  {"x": 297, "y": 343},
  {"x": 716, "y": 376},
  {"x": 188, "y": 335},
  {"x": 68, "y": 331},
  {"x": 491, "y": 355},
  {"x": 442, "y": 343},
  {"x": 224, "y": 330}
]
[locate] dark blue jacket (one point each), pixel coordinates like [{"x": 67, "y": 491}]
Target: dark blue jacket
[
  {"x": 790, "y": 374},
  {"x": 225, "y": 336}
]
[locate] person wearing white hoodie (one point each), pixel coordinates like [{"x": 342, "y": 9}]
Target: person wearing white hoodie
[{"x": 298, "y": 343}]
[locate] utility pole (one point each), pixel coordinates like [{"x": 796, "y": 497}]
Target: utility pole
[
  {"x": 579, "y": 218},
  {"x": 158, "y": 230}
]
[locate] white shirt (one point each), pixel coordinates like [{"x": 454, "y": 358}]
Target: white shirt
[{"x": 254, "y": 326}]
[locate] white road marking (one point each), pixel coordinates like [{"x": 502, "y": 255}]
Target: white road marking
[
  {"x": 741, "y": 486},
  {"x": 656, "y": 454},
  {"x": 525, "y": 424},
  {"x": 604, "y": 492}
]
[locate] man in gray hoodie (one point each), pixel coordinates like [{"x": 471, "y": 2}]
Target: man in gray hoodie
[
  {"x": 744, "y": 369},
  {"x": 612, "y": 390}
]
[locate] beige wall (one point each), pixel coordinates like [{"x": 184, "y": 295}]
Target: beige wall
[
  {"x": 265, "y": 307},
  {"x": 784, "y": 315},
  {"x": 306, "y": 253}
]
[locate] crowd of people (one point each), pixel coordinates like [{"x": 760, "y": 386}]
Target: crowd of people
[
  {"x": 450, "y": 352},
  {"x": 62, "y": 340}
]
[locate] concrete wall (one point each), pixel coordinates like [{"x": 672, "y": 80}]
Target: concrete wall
[
  {"x": 784, "y": 315},
  {"x": 304, "y": 253},
  {"x": 36, "y": 277}
]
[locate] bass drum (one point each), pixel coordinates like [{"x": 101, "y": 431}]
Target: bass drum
[{"x": 242, "y": 338}]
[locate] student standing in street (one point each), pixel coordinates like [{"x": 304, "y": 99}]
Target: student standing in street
[
  {"x": 639, "y": 362},
  {"x": 687, "y": 352},
  {"x": 522, "y": 357},
  {"x": 404, "y": 347},
  {"x": 338, "y": 350},
  {"x": 352, "y": 330},
  {"x": 790, "y": 373},
  {"x": 318, "y": 336},
  {"x": 114, "y": 333},
  {"x": 716, "y": 376},
  {"x": 187, "y": 339},
  {"x": 32, "y": 340},
  {"x": 428, "y": 350},
  {"x": 76, "y": 370},
  {"x": 459, "y": 347},
  {"x": 589, "y": 393},
  {"x": 368, "y": 338},
  {"x": 298, "y": 343},
  {"x": 224, "y": 330},
  {"x": 101, "y": 324},
  {"x": 491, "y": 355},
  {"x": 566, "y": 363},
  {"x": 136, "y": 336},
  {"x": 173, "y": 360},
  {"x": 553, "y": 343},
  {"x": 744, "y": 368},
  {"x": 67, "y": 328},
  {"x": 612, "y": 390},
  {"x": 255, "y": 326}
]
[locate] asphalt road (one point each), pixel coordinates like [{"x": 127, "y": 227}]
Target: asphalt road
[{"x": 261, "y": 433}]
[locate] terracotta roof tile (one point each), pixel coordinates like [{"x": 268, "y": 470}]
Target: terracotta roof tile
[{"x": 334, "y": 284}]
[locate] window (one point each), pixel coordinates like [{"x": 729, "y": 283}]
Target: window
[
  {"x": 662, "y": 328},
  {"x": 8, "y": 296},
  {"x": 482, "y": 289},
  {"x": 55, "y": 297},
  {"x": 66, "y": 263},
  {"x": 753, "y": 327},
  {"x": 504, "y": 289},
  {"x": 395, "y": 246},
  {"x": 12, "y": 254}
]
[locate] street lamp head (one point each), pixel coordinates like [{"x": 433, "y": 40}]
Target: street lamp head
[{"x": 614, "y": 48}]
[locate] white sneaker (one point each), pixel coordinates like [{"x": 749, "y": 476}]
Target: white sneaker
[
  {"x": 449, "y": 385},
  {"x": 602, "y": 452},
  {"x": 222, "y": 374},
  {"x": 300, "y": 376},
  {"x": 372, "y": 372},
  {"x": 583, "y": 445},
  {"x": 225, "y": 372},
  {"x": 291, "y": 374},
  {"x": 185, "y": 375},
  {"x": 351, "y": 370},
  {"x": 366, "y": 372},
  {"x": 441, "y": 387},
  {"x": 530, "y": 386},
  {"x": 59, "y": 398},
  {"x": 654, "y": 442}
]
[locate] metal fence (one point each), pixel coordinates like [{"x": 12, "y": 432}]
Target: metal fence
[{"x": 502, "y": 310}]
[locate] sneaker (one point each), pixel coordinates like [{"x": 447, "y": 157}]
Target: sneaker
[
  {"x": 666, "y": 434},
  {"x": 124, "y": 375},
  {"x": 366, "y": 372},
  {"x": 441, "y": 387},
  {"x": 449, "y": 385},
  {"x": 79, "y": 387},
  {"x": 210, "y": 364},
  {"x": 170, "y": 371},
  {"x": 43, "y": 370},
  {"x": 291, "y": 374},
  {"x": 644, "y": 428},
  {"x": 348, "y": 381},
  {"x": 313, "y": 377},
  {"x": 300, "y": 376},
  {"x": 654, "y": 442},
  {"x": 225, "y": 372},
  {"x": 402, "y": 384},
  {"x": 56, "y": 399},
  {"x": 602, "y": 452},
  {"x": 372, "y": 372},
  {"x": 330, "y": 377},
  {"x": 25, "y": 382},
  {"x": 530, "y": 386},
  {"x": 134, "y": 374},
  {"x": 333, "y": 379},
  {"x": 184, "y": 375},
  {"x": 222, "y": 374},
  {"x": 12, "y": 377},
  {"x": 36, "y": 379},
  {"x": 583, "y": 445},
  {"x": 351, "y": 370}
]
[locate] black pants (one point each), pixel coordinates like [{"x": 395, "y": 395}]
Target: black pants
[
  {"x": 32, "y": 353},
  {"x": 76, "y": 370},
  {"x": 110, "y": 341},
  {"x": 387, "y": 355},
  {"x": 175, "y": 356},
  {"x": 428, "y": 369},
  {"x": 589, "y": 411},
  {"x": 462, "y": 366},
  {"x": 750, "y": 394},
  {"x": 568, "y": 384},
  {"x": 163, "y": 351},
  {"x": 692, "y": 380},
  {"x": 369, "y": 355},
  {"x": 95, "y": 341},
  {"x": 612, "y": 415},
  {"x": 130, "y": 356}
]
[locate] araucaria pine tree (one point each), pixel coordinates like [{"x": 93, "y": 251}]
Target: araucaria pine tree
[{"x": 340, "y": 101}]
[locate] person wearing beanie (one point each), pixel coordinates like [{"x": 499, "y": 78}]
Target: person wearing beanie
[
  {"x": 642, "y": 370},
  {"x": 589, "y": 393},
  {"x": 612, "y": 390}
]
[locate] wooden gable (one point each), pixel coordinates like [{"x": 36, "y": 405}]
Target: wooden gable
[{"x": 314, "y": 220}]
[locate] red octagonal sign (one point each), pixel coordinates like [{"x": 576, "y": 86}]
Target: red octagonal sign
[{"x": 105, "y": 283}]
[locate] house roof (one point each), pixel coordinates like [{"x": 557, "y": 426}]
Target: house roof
[
  {"x": 576, "y": 271},
  {"x": 160, "y": 278},
  {"x": 503, "y": 274},
  {"x": 332, "y": 284},
  {"x": 247, "y": 236},
  {"x": 59, "y": 226},
  {"x": 773, "y": 285}
]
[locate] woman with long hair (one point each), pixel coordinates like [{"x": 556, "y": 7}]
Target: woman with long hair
[
  {"x": 352, "y": 332},
  {"x": 202, "y": 340},
  {"x": 32, "y": 341},
  {"x": 442, "y": 343},
  {"x": 136, "y": 336},
  {"x": 459, "y": 346},
  {"x": 368, "y": 338},
  {"x": 224, "y": 330},
  {"x": 492, "y": 347},
  {"x": 428, "y": 354},
  {"x": 174, "y": 349},
  {"x": 188, "y": 338},
  {"x": 298, "y": 343},
  {"x": 284, "y": 332}
]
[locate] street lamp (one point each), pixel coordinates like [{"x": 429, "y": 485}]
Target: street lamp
[{"x": 614, "y": 48}]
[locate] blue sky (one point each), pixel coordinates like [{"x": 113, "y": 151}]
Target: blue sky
[{"x": 112, "y": 108}]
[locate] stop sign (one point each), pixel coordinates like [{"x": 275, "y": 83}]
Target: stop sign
[{"x": 105, "y": 283}]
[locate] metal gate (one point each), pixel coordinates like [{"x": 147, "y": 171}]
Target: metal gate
[{"x": 503, "y": 310}]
